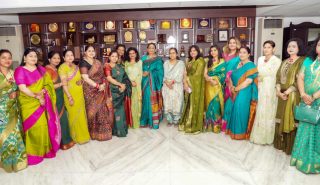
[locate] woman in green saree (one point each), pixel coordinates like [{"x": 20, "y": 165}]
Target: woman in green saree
[
  {"x": 13, "y": 155},
  {"x": 214, "y": 74},
  {"x": 120, "y": 87},
  {"x": 306, "y": 150},
  {"x": 152, "y": 80},
  {"x": 288, "y": 96},
  {"x": 51, "y": 65},
  {"x": 37, "y": 101},
  {"x": 193, "y": 110}
]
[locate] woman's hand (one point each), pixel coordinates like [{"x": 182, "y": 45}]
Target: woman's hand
[
  {"x": 134, "y": 84},
  {"x": 145, "y": 73},
  {"x": 102, "y": 87},
  {"x": 307, "y": 99},
  {"x": 213, "y": 82},
  {"x": 122, "y": 87},
  {"x": 13, "y": 95},
  {"x": 282, "y": 96},
  {"x": 71, "y": 101}
]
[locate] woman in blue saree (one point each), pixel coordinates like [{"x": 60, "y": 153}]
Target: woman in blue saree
[
  {"x": 306, "y": 149},
  {"x": 244, "y": 97},
  {"x": 152, "y": 79}
]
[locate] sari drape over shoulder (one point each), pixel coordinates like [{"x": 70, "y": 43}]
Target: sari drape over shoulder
[
  {"x": 98, "y": 103},
  {"x": 306, "y": 149},
  {"x": 13, "y": 156},
  {"x": 193, "y": 110},
  {"x": 151, "y": 114},
  {"x": 120, "y": 127},
  {"x": 243, "y": 102},
  {"x": 66, "y": 140},
  {"x": 214, "y": 100},
  {"x": 77, "y": 112},
  {"x": 41, "y": 124}
]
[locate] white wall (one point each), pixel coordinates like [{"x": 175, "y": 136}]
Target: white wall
[
  {"x": 9, "y": 19},
  {"x": 298, "y": 20}
]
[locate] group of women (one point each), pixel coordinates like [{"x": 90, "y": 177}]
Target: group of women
[{"x": 46, "y": 108}]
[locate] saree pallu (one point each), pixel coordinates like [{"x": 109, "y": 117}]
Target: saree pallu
[
  {"x": 214, "y": 100},
  {"x": 13, "y": 155},
  {"x": 77, "y": 112},
  {"x": 228, "y": 103},
  {"x": 99, "y": 112},
  {"x": 40, "y": 123},
  {"x": 66, "y": 140},
  {"x": 306, "y": 150},
  {"x": 173, "y": 98},
  {"x": 134, "y": 72},
  {"x": 151, "y": 85},
  {"x": 120, "y": 127},
  {"x": 244, "y": 102},
  {"x": 285, "y": 130},
  {"x": 193, "y": 109}
]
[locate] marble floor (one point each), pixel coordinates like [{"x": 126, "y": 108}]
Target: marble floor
[{"x": 164, "y": 157}]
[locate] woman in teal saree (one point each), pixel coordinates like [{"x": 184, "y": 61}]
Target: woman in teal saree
[
  {"x": 306, "y": 149},
  {"x": 152, "y": 79},
  {"x": 215, "y": 73},
  {"x": 244, "y": 97},
  {"x": 13, "y": 156}
]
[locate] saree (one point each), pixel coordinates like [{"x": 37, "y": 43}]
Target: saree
[
  {"x": 173, "y": 98},
  {"x": 66, "y": 140},
  {"x": 264, "y": 123},
  {"x": 134, "y": 72},
  {"x": 285, "y": 130},
  {"x": 98, "y": 103},
  {"x": 76, "y": 113},
  {"x": 214, "y": 100},
  {"x": 41, "y": 124},
  {"x": 306, "y": 149},
  {"x": 120, "y": 127},
  {"x": 228, "y": 103},
  {"x": 244, "y": 102},
  {"x": 13, "y": 155},
  {"x": 151, "y": 114},
  {"x": 193, "y": 109}
]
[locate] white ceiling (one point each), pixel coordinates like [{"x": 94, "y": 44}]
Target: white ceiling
[{"x": 285, "y": 8}]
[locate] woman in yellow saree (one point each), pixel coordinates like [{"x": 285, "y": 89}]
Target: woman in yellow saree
[
  {"x": 13, "y": 155},
  {"x": 74, "y": 99},
  {"x": 37, "y": 103}
]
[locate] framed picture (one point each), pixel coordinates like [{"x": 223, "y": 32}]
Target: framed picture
[
  {"x": 110, "y": 38},
  {"x": 128, "y": 37},
  {"x": 185, "y": 37},
  {"x": 71, "y": 27},
  {"x": 204, "y": 23},
  {"x": 242, "y": 22},
  {"x": 152, "y": 24},
  {"x": 223, "y": 35},
  {"x": 162, "y": 38},
  {"x": 186, "y": 23},
  {"x": 128, "y": 24},
  {"x": 70, "y": 38},
  {"x": 90, "y": 38},
  {"x": 165, "y": 25},
  {"x": 89, "y": 26},
  {"x": 144, "y": 25},
  {"x": 223, "y": 24},
  {"x": 200, "y": 38},
  {"x": 35, "y": 28},
  {"x": 109, "y": 25}
]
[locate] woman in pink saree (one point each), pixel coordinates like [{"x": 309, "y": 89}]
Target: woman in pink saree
[{"x": 37, "y": 98}]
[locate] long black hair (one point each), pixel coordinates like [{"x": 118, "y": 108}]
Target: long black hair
[
  {"x": 127, "y": 57},
  {"x": 312, "y": 53},
  {"x": 50, "y": 55},
  {"x": 198, "y": 51},
  {"x": 300, "y": 44},
  {"x": 210, "y": 57},
  {"x": 25, "y": 53}
]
